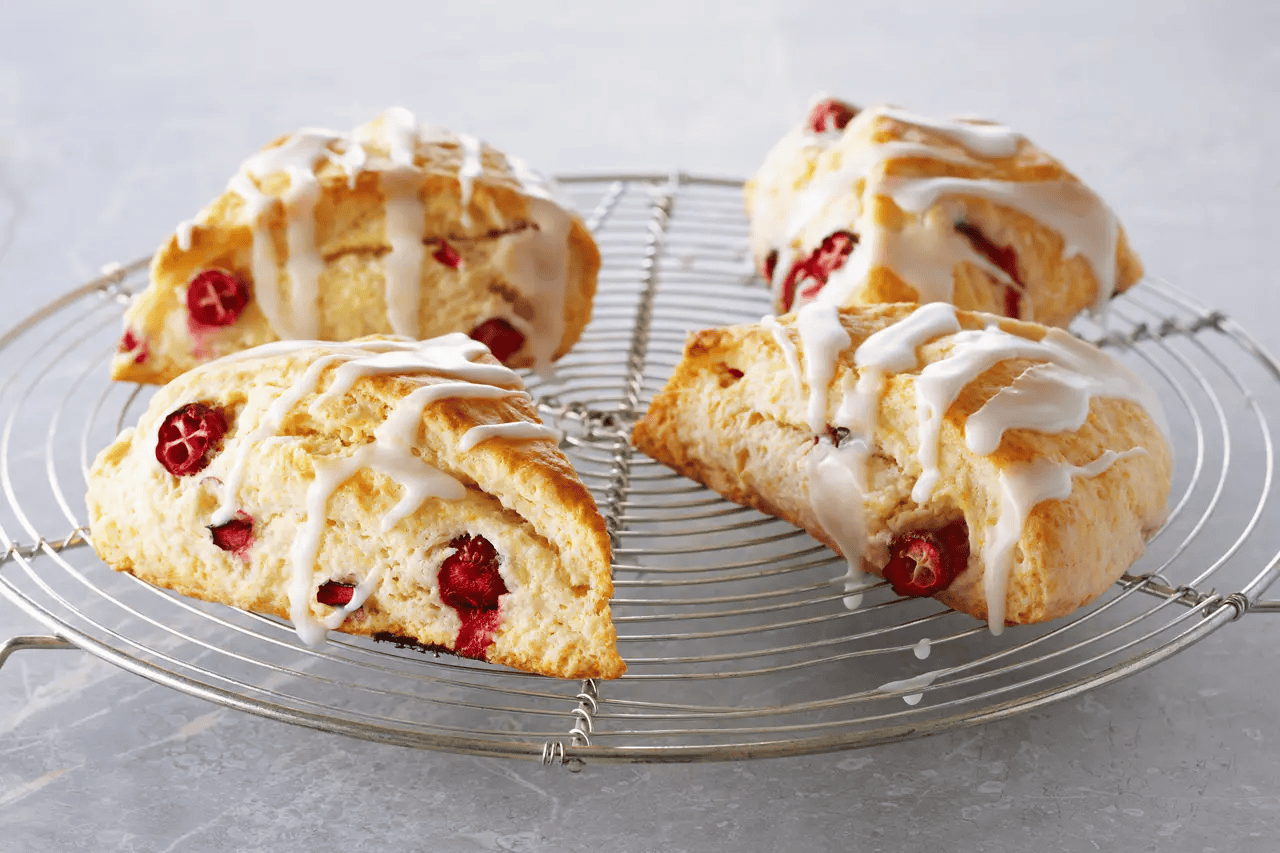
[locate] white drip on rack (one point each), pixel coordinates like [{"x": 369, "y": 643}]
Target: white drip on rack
[{"x": 732, "y": 623}]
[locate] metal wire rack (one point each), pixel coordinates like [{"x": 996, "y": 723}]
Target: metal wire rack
[{"x": 732, "y": 623}]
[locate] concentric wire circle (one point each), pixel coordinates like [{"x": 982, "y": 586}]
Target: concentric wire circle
[{"x": 734, "y": 625}]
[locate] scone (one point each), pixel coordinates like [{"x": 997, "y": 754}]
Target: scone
[
  {"x": 390, "y": 229},
  {"x": 1006, "y": 468},
  {"x": 856, "y": 207},
  {"x": 384, "y": 487}
]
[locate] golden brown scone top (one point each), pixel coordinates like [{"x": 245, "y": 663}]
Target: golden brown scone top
[
  {"x": 392, "y": 228},
  {"x": 885, "y": 205}
]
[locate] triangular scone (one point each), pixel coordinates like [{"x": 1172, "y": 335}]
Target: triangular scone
[
  {"x": 1009, "y": 469},
  {"x": 397, "y": 489},
  {"x": 883, "y": 205},
  {"x": 390, "y": 229}
]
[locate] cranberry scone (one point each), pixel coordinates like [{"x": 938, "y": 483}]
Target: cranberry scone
[
  {"x": 856, "y": 207},
  {"x": 392, "y": 228},
  {"x": 1006, "y": 468},
  {"x": 383, "y": 487}
]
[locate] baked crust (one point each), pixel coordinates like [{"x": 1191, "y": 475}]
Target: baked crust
[
  {"x": 517, "y": 491},
  {"x": 733, "y": 417},
  {"x": 518, "y": 255},
  {"x": 939, "y": 216}
]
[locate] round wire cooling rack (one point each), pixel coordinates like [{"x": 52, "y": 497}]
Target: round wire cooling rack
[{"x": 740, "y": 637}]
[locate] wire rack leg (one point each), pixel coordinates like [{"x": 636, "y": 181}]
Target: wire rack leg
[{"x": 17, "y": 644}]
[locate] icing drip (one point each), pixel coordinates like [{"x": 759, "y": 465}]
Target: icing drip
[
  {"x": 788, "y": 348},
  {"x": 183, "y": 234},
  {"x": 471, "y": 168},
  {"x": 406, "y": 220},
  {"x": 1021, "y": 488},
  {"x": 823, "y": 337},
  {"x": 918, "y": 682},
  {"x": 922, "y": 648},
  {"x": 390, "y": 453}
]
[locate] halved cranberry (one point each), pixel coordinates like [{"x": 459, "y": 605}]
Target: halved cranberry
[
  {"x": 335, "y": 594},
  {"x": 471, "y": 585},
  {"x": 469, "y": 578},
  {"x": 925, "y": 562},
  {"x": 831, "y": 114},
  {"x": 814, "y": 270},
  {"x": 1004, "y": 257},
  {"x": 503, "y": 339},
  {"x": 447, "y": 256},
  {"x": 132, "y": 343},
  {"x": 188, "y": 438},
  {"x": 235, "y": 535},
  {"x": 216, "y": 297}
]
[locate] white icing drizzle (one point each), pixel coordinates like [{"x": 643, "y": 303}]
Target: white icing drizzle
[
  {"x": 471, "y": 168},
  {"x": 924, "y": 251},
  {"x": 918, "y": 682},
  {"x": 405, "y": 221},
  {"x": 1051, "y": 396},
  {"x": 1021, "y": 488},
  {"x": 824, "y": 338},
  {"x": 788, "y": 348},
  {"x": 535, "y": 258},
  {"x": 183, "y": 234},
  {"x": 390, "y": 453},
  {"x": 921, "y": 649},
  {"x": 514, "y": 431},
  {"x": 974, "y": 351}
]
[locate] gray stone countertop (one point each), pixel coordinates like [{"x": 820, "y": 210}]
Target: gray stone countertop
[{"x": 117, "y": 120}]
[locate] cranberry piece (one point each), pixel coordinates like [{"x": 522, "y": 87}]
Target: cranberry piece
[
  {"x": 1003, "y": 257},
  {"x": 831, "y": 114},
  {"x": 215, "y": 297},
  {"x": 187, "y": 437},
  {"x": 925, "y": 562},
  {"x": 469, "y": 578},
  {"x": 814, "y": 270},
  {"x": 770, "y": 264},
  {"x": 447, "y": 256},
  {"x": 471, "y": 585},
  {"x": 503, "y": 339},
  {"x": 132, "y": 343},
  {"x": 335, "y": 594},
  {"x": 235, "y": 535}
]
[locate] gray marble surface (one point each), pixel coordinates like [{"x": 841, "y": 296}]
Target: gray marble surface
[{"x": 118, "y": 120}]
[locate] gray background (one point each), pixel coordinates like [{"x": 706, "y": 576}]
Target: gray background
[{"x": 117, "y": 120}]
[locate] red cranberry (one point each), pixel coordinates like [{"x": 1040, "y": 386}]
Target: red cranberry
[
  {"x": 471, "y": 585},
  {"x": 188, "y": 438},
  {"x": 770, "y": 264},
  {"x": 447, "y": 256},
  {"x": 215, "y": 297},
  {"x": 503, "y": 339},
  {"x": 925, "y": 562},
  {"x": 235, "y": 535},
  {"x": 335, "y": 594},
  {"x": 1004, "y": 257},
  {"x": 132, "y": 343},
  {"x": 831, "y": 114},
  {"x": 469, "y": 578},
  {"x": 814, "y": 270}
]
